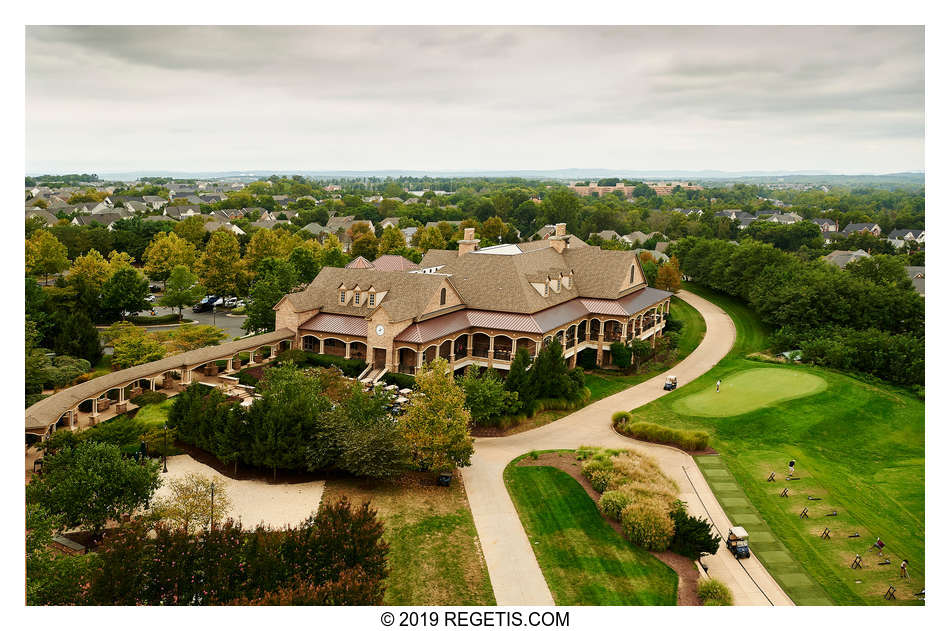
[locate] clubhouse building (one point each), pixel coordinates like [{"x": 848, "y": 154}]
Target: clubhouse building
[{"x": 478, "y": 306}]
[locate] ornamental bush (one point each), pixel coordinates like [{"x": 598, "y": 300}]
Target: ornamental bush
[
  {"x": 149, "y": 397},
  {"x": 689, "y": 440},
  {"x": 712, "y": 592},
  {"x": 612, "y": 504},
  {"x": 619, "y": 417},
  {"x": 648, "y": 524}
]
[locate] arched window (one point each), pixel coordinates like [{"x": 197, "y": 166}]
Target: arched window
[
  {"x": 633, "y": 273},
  {"x": 442, "y": 296}
]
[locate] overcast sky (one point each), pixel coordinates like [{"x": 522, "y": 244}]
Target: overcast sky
[{"x": 107, "y": 99}]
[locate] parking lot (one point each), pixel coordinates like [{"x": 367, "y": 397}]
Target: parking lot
[{"x": 220, "y": 318}]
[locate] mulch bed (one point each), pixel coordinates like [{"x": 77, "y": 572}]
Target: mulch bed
[{"x": 686, "y": 570}]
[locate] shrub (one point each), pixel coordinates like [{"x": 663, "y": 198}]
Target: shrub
[
  {"x": 648, "y": 524},
  {"x": 160, "y": 442},
  {"x": 349, "y": 367},
  {"x": 612, "y": 504},
  {"x": 690, "y": 440},
  {"x": 171, "y": 318},
  {"x": 619, "y": 417},
  {"x": 399, "y": 379},
  {"x": 149, "y": 397},
  {"x": 247, "y": 379},
  {"x": 693, "y": 536},
  {"x": 714, "y": 593}
]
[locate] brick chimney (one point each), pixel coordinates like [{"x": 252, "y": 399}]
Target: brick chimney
[
  {"x": 559, "y": 240},
  {"x": 469, "y": 243}
]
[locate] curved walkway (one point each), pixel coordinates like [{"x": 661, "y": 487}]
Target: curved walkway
[{"x": 515, "y": 575}]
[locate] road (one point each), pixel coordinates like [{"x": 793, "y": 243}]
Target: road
[
  {"x": 230, "y": 324},
  {"x": 515, "y": 575}
]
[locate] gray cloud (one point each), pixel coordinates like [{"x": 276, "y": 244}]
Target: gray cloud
[{"x": 220, "y": 98}]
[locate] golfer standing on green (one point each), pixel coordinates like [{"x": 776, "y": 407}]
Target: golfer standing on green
[{"x": 718, "y": 383}]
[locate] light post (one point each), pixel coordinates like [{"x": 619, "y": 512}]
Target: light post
[
  {"x": 165, "y": 449},
  {"x": 212, "y": 506}
]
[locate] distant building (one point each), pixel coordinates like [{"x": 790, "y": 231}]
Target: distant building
[
  {"x": 868, "y": 228},
  {"x": 916, "y": 275},
  {"x": 841, "y": 258}
]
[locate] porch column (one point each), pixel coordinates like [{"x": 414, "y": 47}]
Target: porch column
[
  {"x": 347, "y": 353},
  {"x": 420, "y": 356},
  {"x": 600, "y": 347},
  {"x": 321, "y": 346},
  {"x": 452, "y": 358},
  {"x": 491, "y": 350},
  {"x": 230, "y": 364},
  {"x": 121, "y": 395},
  {"x": 623, "y": 331}
]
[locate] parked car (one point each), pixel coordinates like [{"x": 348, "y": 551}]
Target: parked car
[
  {"x": 155, "y": 288},
  {"x": 230, "y": 302},
  {"x": 205, "y": 304},
  {"x": 150, "y": 298}
]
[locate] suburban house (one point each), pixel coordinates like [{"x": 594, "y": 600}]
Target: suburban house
[
  {"x": 907, "y": 234},
  {"x": 45, "y": 215},
  {"x": 825, "y": 224},
  {"x": 916, "y": 274},
  {"x": 841, "y": 258},
  {"x": 476, "y": 306},
  {"x": 181, "y": 212},
  {"x": 544, "y": 232},
  {"x": 869, "y": 228},
  {"x": 606, "y": 235},
  {"x": 211, "y": 226},
  {"x": 389, "y": 221}
]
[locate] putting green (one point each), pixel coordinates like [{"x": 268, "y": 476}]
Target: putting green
[{"x": 749, "y": 390}]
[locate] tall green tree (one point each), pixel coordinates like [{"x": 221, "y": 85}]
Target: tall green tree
[
  {"x": 125, "y": 292},
  {"x": 76, "y": 335},
  {"x": 520, "y": 379},
  {"x": 92, "y": 483},
  {"x": 219, "y": 267},
  {"x": 181, "y": 289}
]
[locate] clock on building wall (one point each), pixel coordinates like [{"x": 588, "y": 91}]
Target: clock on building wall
[{"x": 379, "y": 329}]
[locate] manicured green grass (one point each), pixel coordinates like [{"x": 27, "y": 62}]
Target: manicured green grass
[
  {"x": 583, "y": 559},
  {"x": 605, "y": 383},
  {"x": 858, "y": 446},
  {"x": 749, "y": 390},
  {"x": 434, "y": 553},
  {"x": 155, "y": 414}
]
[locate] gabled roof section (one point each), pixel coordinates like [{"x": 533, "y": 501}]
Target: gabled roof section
[{"x": 406, "y": 294}]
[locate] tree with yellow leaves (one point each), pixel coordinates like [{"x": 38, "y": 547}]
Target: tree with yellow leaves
[{"x": 165, "y": 252}]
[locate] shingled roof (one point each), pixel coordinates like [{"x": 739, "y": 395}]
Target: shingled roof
[{"x": 406, "y": 294}]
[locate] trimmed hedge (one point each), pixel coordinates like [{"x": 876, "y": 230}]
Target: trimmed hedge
[
  {"x": 149, "y": 397},
  {"x": 713, "y": 593},
  {"x": 399, "y": 379},
  {"x": 349, "y": 367},
  {"x": 170, "y": 318},
  {"x": 688, "y": 440}
]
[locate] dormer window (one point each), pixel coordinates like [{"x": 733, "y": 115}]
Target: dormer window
[
  {"x": 442, "y": 297},
  {"x": 372, "y": 300},
  {"x": 633, "y": 273},
  {"x": 356, "y": 298},
  {"x": 557, "y": 286},
  {"x": 547, "y": 286},
  {"x": 342, "y": 296}
]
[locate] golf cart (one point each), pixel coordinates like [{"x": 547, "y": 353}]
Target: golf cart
[
  {"x": 737, "y": 542},
  {"x": 670, "y": 383}
]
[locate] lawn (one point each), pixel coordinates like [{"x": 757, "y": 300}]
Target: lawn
[
  {"x": 583, "y": 559},
  {"x": 859, "y": 448},
  {"x": 750, "y": 390},
  {"x": 435, "y": 557}
]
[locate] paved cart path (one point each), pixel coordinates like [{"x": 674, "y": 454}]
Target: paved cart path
[{"x": 515, "y": 575}]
